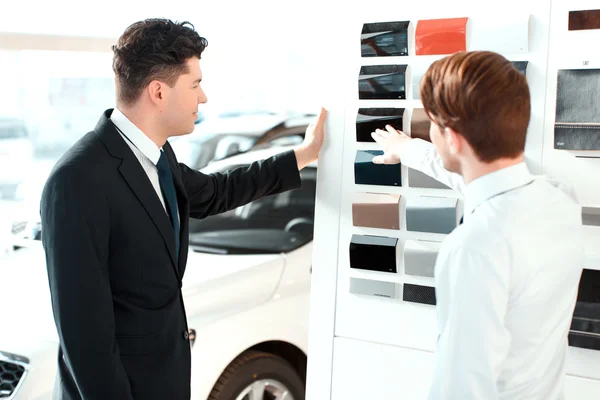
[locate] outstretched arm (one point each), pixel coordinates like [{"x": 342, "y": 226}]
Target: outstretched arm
[{"x": 416, "y": 154}]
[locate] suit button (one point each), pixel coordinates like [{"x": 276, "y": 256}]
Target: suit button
[{"x": 186, "y": 335}]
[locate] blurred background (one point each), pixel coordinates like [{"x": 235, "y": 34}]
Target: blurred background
[{"x": 261, "y": 73}]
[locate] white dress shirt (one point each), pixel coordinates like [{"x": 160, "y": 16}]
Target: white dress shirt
[
  {"x": 144, "y": 149},
  {"x": 506, "y": 284}
]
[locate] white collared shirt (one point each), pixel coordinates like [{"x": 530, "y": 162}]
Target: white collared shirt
[
  {"x": 145, "y": 150},
  {"x": 506, "y": 284}
]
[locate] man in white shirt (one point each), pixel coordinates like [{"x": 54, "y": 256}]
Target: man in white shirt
[{"x": 506, "y": 279}]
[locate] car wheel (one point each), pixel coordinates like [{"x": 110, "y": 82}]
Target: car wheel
[{"x": 255, "y": 375}]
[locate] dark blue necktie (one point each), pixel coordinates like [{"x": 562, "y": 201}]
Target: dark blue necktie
[{"x": 168, "y": 190}]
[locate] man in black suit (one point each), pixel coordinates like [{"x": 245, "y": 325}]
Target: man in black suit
[{"x": 115, "y": 215}]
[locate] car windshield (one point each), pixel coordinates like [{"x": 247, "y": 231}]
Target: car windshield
[
  {"x": 198, "y": 152},
  {"x": 273, "y": 224}
]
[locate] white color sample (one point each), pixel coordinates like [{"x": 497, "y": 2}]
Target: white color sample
[
  {"x": 502, "y": 33},
  {"x": 420, "y": 257}
]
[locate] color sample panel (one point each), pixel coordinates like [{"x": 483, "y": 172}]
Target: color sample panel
[
  {"x": 368, "y": 173},
  {"x": 577, "y": 123},
  {"x": 416, "y": 86},
  {"x": 441, "y": 36},
  {"x": 500, "y": 33},
  {"x": 521, "y": 66},
  {"x": 584, "y": 19},
  {"x": 431, "y": 214},
  {"x": 376, "y": 210},
  {"x": 417, "y": 179},
  {"x": 590, "y": 216},
  {"x": 420, "y": 124},
  {"x": 373, "y": 253},
  {"x": 382, "y": 82},
  {"x": 420, "y": 257},
  {"x": 384, "y": 39},
  {"x": 585, "y": 326},
  {"x": 370, "y": 119},
  {"x": 368, "y": 287},
  {"x": 419, "y": 294}
]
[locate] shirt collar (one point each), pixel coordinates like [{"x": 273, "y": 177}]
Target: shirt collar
[
  {"x": 495, "y": 183},
  {"x": 136, "y": 136}
]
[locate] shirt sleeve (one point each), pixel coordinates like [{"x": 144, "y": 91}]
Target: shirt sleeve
[
  {"x": 421, "y": 155},
  {"x": 473, "y": 292}
]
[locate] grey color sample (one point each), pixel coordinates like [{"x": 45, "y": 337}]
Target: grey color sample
[
  {"x": 368, "y": 287},
  {"x": 416, "y": 86},
  {"x": 577, "y": 123},
  {"x": 374, "y": 240},
  {"x": 420, "y": 258},
  {"x": 590, "y": 216},
  {"x": 431, "y": 214},
  {"x": 417, "y": 179}
]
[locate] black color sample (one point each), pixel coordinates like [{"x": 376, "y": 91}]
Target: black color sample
[
  {"x": 577, "y": 123},
  {"x": 521, "y": 66},
  {"x": 382, "y": 82},
  {"x": 419, "y": 294},
  {"x": 370, "y": 119},
  {"x": 374, "y": 253},
  {"x": 368, "y": 173},
  {"x": 585, "y": 326},
  {"x": 590, "y": 216},
  {"x": 384, "y": 39}
]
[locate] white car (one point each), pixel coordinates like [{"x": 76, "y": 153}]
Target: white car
[
  {"x": 216, "y": 138},
  {"x": 246, "y": 291},
  {"x": 16, "y": 155}
]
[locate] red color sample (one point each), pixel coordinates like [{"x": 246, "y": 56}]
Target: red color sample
[{"x": 441, "y": 36}]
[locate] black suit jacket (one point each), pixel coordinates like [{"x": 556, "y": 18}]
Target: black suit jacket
[{"x": 110, "y": 252}]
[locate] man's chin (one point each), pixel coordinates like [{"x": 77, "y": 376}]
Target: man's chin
[{"x": 184, "y": 133}]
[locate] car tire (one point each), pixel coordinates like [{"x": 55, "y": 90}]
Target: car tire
[{"x": 253, "y": 367}]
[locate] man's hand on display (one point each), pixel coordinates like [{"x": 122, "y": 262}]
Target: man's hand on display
[
  {"x": 392, "y": 142},
  {"x": 308, "y": 151}
]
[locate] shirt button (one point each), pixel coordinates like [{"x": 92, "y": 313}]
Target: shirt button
[{"x": 186, "y": 335}]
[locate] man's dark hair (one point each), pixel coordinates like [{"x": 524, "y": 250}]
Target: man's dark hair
[{"x": 153, "y": 49}]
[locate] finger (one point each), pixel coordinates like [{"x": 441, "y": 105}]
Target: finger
[
  {"x": 393, "y": 130},
  {"x": 378, "y": 160},
  {"x": 382, "y": 133},
  {"x": 378, "y": 138},
  {"x": 321, "y": 118}
]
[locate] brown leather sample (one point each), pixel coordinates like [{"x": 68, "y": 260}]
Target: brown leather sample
[
  {"x": 376, "y": 210},
  {"x": 419, "y": 124},
  {"x": 584, "y": 19},
  {"x": 441, "y": 36}
]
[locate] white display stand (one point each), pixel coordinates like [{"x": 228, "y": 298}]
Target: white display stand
[{"x": 368, "y": 347}]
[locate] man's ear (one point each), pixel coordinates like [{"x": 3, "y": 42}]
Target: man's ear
[
  {"x": 454, "y": 140},
  {"x": 156, "y": 92}
]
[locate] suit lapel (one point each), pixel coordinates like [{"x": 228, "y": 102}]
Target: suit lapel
[{"x": 138, "y": 181}]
